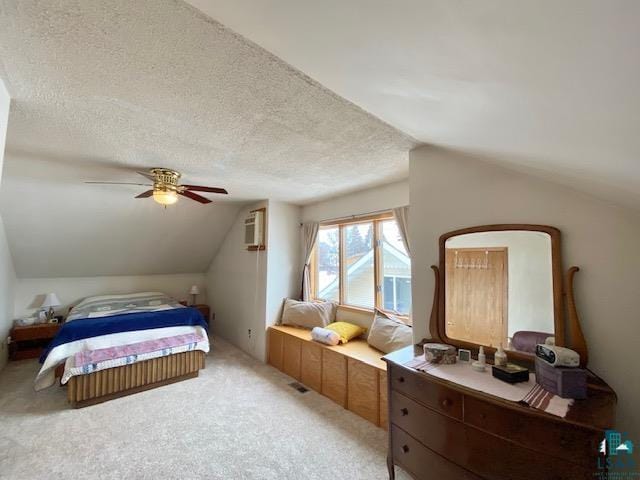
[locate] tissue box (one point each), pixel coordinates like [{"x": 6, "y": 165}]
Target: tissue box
[{"x": 565, "y": 382}]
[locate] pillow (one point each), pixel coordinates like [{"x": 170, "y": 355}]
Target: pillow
[
  {"x": 324, "y": 335},
  {"x": 389, "y": 334},
  {"x": 347, "y": 331},
  {"x": 308, "y": 314}
]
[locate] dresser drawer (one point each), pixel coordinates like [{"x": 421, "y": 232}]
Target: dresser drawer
[
  {"x": 420, "y": 388},
  {"x": 440, "y": 433},
  {"x": 572, "y": 443},
  {"x": 480, "y": 452},
  {"x": 494, "y": 458},
  {"x": 422, "y": 463}
]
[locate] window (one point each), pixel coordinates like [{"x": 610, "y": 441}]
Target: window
[
  {"x": 363, "y": 264},
  {"x": 328, "y": 265}
]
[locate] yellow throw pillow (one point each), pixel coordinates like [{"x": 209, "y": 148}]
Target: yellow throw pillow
[{"x": 347, "y": 331}]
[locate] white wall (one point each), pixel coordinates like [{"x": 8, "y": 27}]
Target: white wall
[
  {"x": 7, "y": 271},
  {"x": 529, "y": 279},
  {"x": 30, "y": 291},
  {"x": 7, "y": 287},
  {"x": 374, "y": 199},
  {"x": 236, "y": 288},
  {"x": 284, "y": 257},
  {"x": 450, "y": 191},
  {"x": 247, "y": 288}
]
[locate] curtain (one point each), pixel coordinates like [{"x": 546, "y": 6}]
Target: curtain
[
  {"x": 402, "y": 219},
  {"x": 309, "y": 239}
]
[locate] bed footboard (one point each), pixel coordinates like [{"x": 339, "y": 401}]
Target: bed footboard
[{"x": 97, "y": 387}]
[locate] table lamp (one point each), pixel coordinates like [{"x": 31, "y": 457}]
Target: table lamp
[
  {"x": 50, "y": 301},
  {"x": 194, "y": 292}
]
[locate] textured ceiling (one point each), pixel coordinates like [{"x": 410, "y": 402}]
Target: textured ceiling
[
  {"x": 102, "y": 88},
  {"x": 546, "y": 87}
]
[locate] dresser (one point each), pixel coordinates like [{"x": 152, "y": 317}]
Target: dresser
[{"x": 441, "y": 430}]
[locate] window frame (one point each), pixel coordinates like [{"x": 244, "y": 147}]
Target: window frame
[{"x": 377, "y": 221}]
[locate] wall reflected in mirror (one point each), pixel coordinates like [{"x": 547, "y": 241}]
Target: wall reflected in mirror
[{"x": 499, "y": 289}]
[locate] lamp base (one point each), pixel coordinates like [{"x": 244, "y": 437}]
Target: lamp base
[{"x": 193, "y": 299}]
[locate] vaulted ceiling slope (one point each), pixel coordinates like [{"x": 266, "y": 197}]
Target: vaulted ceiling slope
[
  {"x": 546, "y": 87},
  {"x": 101, "y": 89}
]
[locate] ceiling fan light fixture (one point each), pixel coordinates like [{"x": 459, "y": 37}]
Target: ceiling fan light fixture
[{"x": 165, "y": 197}]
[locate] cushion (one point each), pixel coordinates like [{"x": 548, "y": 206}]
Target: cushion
[
  {"x": 389, "y": 333},
  {"x": 324, "y": 335},
  {"x": 346, "y": 330},
  {"x": 526, "y": 341},
  {"x": 308, "y": 314}
]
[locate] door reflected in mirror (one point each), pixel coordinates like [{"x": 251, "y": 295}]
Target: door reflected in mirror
[{"x": 499, "y": 288}]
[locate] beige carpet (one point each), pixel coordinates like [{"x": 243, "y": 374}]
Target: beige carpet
[{"x": 238, "y": 420}]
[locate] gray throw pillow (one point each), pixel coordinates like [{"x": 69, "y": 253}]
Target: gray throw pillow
[
  {"x": 308, "y": 314},
  {"x": 389, "y": 334}
]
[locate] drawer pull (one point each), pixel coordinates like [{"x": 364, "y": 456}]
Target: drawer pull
[
  {"x": 401, "y": 379},
  {"x": 404, "y": 412},
  {"x": 405, "y": 448},
  {"x": 447, "y": 402}
]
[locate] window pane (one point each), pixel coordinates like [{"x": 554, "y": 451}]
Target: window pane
[
  {"x": 387, "y": 294},
  {"x": 359, "y": 265},
  {"x": 329, "y": 264},
  {"x": 397, "y": 265}
]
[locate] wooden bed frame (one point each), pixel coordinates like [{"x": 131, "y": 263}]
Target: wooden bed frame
[{"x": 98, "y": 387}]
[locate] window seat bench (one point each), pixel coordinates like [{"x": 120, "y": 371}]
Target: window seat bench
[{"x": 352, "y": 375}]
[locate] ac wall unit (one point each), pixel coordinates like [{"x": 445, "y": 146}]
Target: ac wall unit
[{"x": 253, "y": 229}]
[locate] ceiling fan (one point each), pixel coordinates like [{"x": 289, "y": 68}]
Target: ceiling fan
[{"x": 166, "y": 188}]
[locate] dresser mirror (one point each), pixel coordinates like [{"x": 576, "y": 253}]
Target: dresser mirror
[{"x": 502, "y": 285}]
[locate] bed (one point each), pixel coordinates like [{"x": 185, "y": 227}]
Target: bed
[{"x": 116, "y": 345}]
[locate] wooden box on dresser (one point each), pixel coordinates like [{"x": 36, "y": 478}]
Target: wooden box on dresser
[{"x": 441, "y": 430}]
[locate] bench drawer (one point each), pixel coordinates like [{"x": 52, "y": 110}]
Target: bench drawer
[
  {"x": 311, "y": 366},
  {"x": 384, "y": 406},
  {"x": 363, "y": 397},
  {"x": 441, "y": 399},
  {"x": 276, "y": 344},
  {"x": 291, "y": 356},
  {"x": 334, "y": 376}
]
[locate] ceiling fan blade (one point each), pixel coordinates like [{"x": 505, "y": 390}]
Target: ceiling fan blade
[
  {"x": 121, "y": 183},
  {"x": 194, "y": 196},
  {"x": 146, "y": 194},
  {"x": 148, "y": 175},
  {"x": 198, "y": 188}
]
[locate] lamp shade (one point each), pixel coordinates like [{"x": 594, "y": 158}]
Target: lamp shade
[
  {"x": 194, "y": 290},
  {"x": 51, "y": 300}
]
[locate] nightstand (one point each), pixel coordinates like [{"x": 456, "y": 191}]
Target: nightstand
[
  {"x": 204, "y": 310},
  {"x": 29, "y": 341}
]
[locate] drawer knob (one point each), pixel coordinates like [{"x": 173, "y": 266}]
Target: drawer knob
[
  {"x": 446, "y": 403},
  {"x": 404, "y": 412},
  {"x": 401, "y": 379},
  {"x": 405, "y": 448}
]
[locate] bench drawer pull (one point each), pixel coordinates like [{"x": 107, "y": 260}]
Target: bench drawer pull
[{"x": 404, "y": 412}]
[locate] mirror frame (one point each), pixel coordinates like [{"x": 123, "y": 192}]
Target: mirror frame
[{"x": 558, "y": 293}]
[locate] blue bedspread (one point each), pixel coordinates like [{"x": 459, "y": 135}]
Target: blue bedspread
[{"x": 94, "y": 327}]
